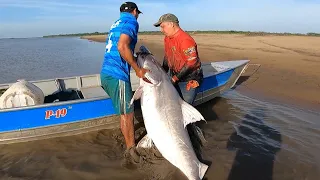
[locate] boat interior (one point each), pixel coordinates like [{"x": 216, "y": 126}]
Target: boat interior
[{"x": 69, "y": 88}]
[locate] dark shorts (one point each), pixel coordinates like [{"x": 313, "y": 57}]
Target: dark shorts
[
  {"x": 120, "y": 93},
  {"x": 187, "y": 95}
]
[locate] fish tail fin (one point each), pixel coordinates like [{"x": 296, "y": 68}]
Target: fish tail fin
[{"x": 202, "y": 170}]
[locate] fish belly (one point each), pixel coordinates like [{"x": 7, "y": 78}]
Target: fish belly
[{"x": 164, "y": 124}]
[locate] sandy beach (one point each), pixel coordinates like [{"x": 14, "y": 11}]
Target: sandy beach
[{"x": 289, "y": 68}]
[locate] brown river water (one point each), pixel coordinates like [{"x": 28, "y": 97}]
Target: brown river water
[{"x": 247, "y": 138}]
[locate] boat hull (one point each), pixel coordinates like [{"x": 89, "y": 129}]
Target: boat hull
[
  {"x": 67, "y": 119},
  {"x": 91, "y": 114},
  {"x": 214, "y": 86}
]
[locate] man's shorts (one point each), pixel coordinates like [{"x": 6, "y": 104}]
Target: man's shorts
[{"x": 120, "y": 93}]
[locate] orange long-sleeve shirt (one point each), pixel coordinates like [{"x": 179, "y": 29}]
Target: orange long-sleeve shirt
[{"x": 181, "y": 51}]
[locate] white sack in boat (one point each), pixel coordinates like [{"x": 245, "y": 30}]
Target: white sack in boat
[{"x": 21, "y": 93}]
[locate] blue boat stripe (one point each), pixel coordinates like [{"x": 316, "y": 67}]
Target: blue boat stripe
[
  {"x": 35, "y": 117},
  {"x": 216, "y": 81}
]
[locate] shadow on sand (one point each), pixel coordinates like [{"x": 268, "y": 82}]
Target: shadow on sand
[
  {"x": 256, "y": 145},
  {"x": 241, "y": 80}
]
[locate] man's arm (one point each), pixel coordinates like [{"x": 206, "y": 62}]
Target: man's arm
[
  {"x": 126, "y": 54},
  {"x": 165, "y": 64},
  {"x": 165, "y": 58}
]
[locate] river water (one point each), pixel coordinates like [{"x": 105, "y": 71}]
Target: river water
[
  {"x": 43, "y": 58},
  {"x": 247, "y": 138}
]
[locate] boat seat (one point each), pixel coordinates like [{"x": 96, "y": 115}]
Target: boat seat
[{"x": 93, "y": 92}]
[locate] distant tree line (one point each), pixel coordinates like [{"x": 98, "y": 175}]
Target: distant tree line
[
  {"x": 77, "y": 34},
  {"x": 248, "y": 33}
]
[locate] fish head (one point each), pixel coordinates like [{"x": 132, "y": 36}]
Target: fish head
[{"x": 149, "y": 62}]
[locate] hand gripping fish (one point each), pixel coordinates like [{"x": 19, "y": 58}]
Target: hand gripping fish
[{"x": 166, "y": 116}]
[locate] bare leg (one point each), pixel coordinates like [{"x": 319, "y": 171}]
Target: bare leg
[{"x": 127, "y": 129}]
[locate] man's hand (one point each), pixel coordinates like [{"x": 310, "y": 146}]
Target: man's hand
[
  {"x": 141, "y": 72},
  {"x": 192, "y": 84}
]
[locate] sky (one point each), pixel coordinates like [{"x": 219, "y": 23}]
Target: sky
[{"x": 35, "y": 18}]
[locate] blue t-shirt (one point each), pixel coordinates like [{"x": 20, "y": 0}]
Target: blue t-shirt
[{"x": 113, "y": 64}]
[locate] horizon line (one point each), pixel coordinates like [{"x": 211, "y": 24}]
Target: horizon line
[{"x": 193, "y": 31}]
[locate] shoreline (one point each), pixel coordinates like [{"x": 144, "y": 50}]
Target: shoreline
[
  {"x": 193, "y": 32},
  {"x": 289, "y": 65}
]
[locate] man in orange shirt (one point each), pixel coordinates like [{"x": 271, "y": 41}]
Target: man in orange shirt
[{"x": 181, "y": 59}]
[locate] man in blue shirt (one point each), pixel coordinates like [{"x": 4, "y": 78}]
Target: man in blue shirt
[{"x": 115, "y": 72}]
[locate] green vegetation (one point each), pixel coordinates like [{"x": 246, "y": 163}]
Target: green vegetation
[
  {"x": 76, "y": 34},
  {"x": 248, "y": 33}
]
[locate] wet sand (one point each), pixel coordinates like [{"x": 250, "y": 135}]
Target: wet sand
[
  {"x": 289, "y": 69},
  {"x": 247, "y": 139}
]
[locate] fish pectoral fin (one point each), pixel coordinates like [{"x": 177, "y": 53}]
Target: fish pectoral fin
[
  {"x": 137, "y": 94},
  {"x": 202, "y": 170},
  {"x": 190, "y": 114},
  {"x": 146, "y": 142}
]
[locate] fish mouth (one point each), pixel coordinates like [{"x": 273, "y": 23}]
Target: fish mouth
[
  {"x": 151, "y": 79},
  {"x": 146, "y": 80}
]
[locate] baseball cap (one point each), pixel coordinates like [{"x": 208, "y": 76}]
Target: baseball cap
[
  {"x": 166, "y": 18},
  {"x": 128, "y": 7}
]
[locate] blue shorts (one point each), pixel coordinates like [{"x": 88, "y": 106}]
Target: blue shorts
[{"x": 120, "y": 93}]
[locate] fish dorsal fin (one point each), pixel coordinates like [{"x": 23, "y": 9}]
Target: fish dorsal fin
[
  {"x": 137, "y": 94},
  {"x": 190, "y": 114}
]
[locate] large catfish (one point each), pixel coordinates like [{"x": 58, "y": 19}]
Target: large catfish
[{"x": 166, "y": 116}]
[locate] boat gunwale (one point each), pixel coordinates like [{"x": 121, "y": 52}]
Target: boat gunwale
[{"x": 229, "y": 68}]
